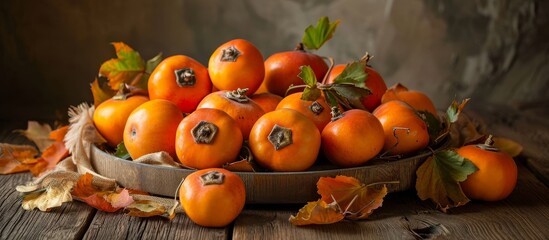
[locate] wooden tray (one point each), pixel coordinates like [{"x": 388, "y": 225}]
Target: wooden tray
[{"x": 261, "y": 187}]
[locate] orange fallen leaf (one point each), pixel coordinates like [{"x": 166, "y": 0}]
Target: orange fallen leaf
[
  {"x": 342, "y": 197},
  {"x": 104, "y": 200},
  {"x": 49, "y": 158},
  {"x": 318, "y": 212},
  {"x": 16, "y": 158},
  {"x": 358, "y": 200}
]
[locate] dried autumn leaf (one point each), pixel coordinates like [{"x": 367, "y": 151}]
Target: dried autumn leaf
[
  {"x": 104, "y": 200},
  {"x": 119, "y": 199},
  {"x": 125, "y": 68},
  {"x": 466, "y": 131},
  {"x": 16, "y": 158},
  {"x": 38, "y": 133},
  {"x": 146, "y": 208},
  {"x": 439, "y": 176},
  {"x": 358, "y": 200},
  {"x": 318, "y": 212},
  {"x": 507, "y": 145},
  {"x": 240, "y": 166},
  {"x": 54, "y": 195},
  {"x": 58, "y": 134},
  {"x": 49, "y": 158},
  {"x": 455, "y": 109},
  {"x": 101, "y": 91}
]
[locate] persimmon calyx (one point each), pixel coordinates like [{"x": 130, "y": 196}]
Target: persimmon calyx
[
  {"x": 212, "y": 178},
  {"x": 316, "y": 108},
  {"x": 238, "y": 95},
  {"x": 488, "y": 145},
  {"x": 280, "y": 137},
  {"x": 336, "y": 113},
  {"x": 230, "y": 54},
  {"x": 204, "y": 132},
  {"x": 185, "y": 77}
]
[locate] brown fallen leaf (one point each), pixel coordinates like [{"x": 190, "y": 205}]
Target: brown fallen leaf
[
  {"x": 318, "y": 212},
  {"x": 439, "y": 176},
  {"x": 358, "y": 200},
  {"x": 38, "y": 133},
  {"x": 16, "y": 158},
  {"x": 107, "y": 200},
  {"x": 507, "y": 145},
  {"x": 342, "y": 197},
  {"x": 146, "y": 208}
]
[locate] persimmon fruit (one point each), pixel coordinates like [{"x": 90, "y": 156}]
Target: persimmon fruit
[
  {"x": 236, "y": 64},
  {"x": 151, "y": 127},
  {"x": 418, "y": 100},
  {"x": 405, "y": 131},
  {"x": 496, "y": 177},
  {"x": 207, "y": 138},
  {"x": 282, "y": 69},
  {"x": 285, "y": 140},
  {"x": 111, "y": 115},
  {"x": 317, "y": 111},
  {"x": 212, "y": 197},
  {"x": 181, "y": 80},
  {"x": 235, "y": 103},
  {"x": 373, "y": 81},
  {"x": 267, "y": 101},
  {"x": 352, "y": 138}
]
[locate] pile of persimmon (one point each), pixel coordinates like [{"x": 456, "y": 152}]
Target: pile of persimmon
[{"x": 289, "y": 109}]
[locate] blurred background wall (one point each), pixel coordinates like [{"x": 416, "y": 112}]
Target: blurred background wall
[{"x": 489, "y": 50}]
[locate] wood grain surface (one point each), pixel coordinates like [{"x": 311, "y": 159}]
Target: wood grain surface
[
  {"x": 69, "y": 221},
  {"x": 524, "y": 215}
]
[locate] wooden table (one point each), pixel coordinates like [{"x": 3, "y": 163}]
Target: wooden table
[{"x": 524, "y": 215}]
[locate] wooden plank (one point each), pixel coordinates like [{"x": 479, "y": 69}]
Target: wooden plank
[
  {"x": 524, "y": 215},
  {"x": 121, "y": 226},
  {"x": 525, "y": 124},
  {"x": 69, "y": 221}
]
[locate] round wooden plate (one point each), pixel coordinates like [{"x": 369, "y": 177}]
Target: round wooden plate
[{"x": 261, "y": 187}]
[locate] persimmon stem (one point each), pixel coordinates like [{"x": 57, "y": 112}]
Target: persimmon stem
[
  {"x": 397, "y": 140},
  {"x": 488, "y": 144}
]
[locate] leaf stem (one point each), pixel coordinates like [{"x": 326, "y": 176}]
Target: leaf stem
[{"x": 331, "y": 66}]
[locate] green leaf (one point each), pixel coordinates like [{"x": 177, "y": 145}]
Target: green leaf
[
  {"x": 153, "y": 62},
  {"x": 121, "y": 151},
  {"x": 434, "y": 125},
  {"x": 315, "y": 37},
  {"x": 311, "y": 91},
  {"x": 330, "y": 98},
  {"x": 351, "y": 93},
  {"x": 150, "y": 66},
  {"x": 123, "y": 69},
  {"x": 439, "y": 176},
  {"x": 353, "y": 74},
  {"x": 101, "y": 91},
  {"x": 310, "y": 94},
  {"x": 455, "y": 109},
  {"x": 308, "y": 76}
]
